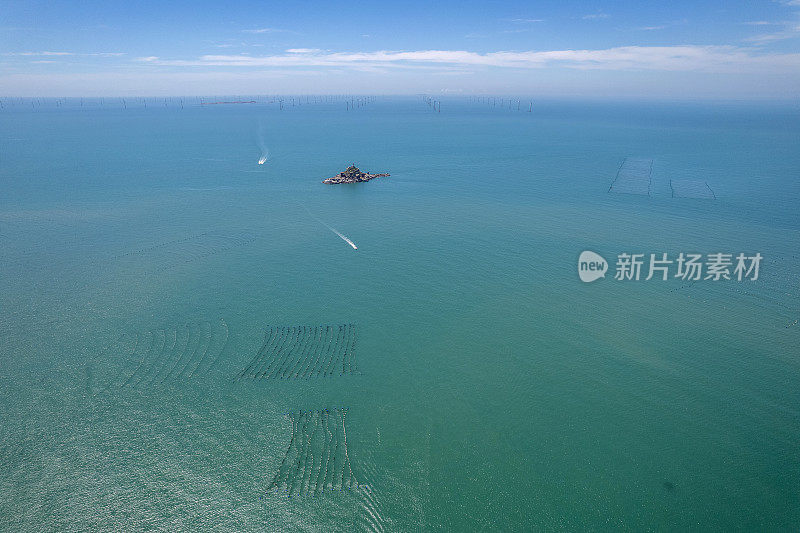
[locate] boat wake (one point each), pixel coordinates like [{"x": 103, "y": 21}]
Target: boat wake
[
  {"x": 262, "y": 144},
  {"x": 345, "y": 239},
  {"x": 341, "y": 236}
]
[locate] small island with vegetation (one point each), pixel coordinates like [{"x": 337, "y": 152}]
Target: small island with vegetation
[{"x": 352, "y": 175}]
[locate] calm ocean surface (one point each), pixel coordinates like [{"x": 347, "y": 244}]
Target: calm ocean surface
[{"x": 144, "y": 254}]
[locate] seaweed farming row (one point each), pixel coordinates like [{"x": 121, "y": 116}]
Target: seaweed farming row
[
  {"x": 304, "y": 352},
  {"x": 317, "y": 459},
  {"x": 167, "y": 355}
]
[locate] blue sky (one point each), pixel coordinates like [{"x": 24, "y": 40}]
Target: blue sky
[{"x": 676, "y": 49}]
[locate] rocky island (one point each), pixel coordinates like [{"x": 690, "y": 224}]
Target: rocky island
[{"x": 352, "y": 175}]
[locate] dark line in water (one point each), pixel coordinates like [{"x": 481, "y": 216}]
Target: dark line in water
[
  {"x": 288, "y": 360},
  {"x": 276, "y": 353},
  {"x": 199, "y": 339},
  {"x": 322, "y": 348},
  {"x": 132, "y": 354},
  {"x": 353, "y": 349},
  {"x": 302, "y": 345},
  {"x": 277, "y": 341},
  {"x": 313, "y": 355},
  {"x": 317, "y": 458},
  {"x": 293, "y": 352},
  {"x": 337, "y": 348},
  {"x": 144, "y": 355},
  {"x": 308, "y": 362},
  {"x": 284, "y": 352},
  {"x": 328, "y": 360},
  {"x": 348, "y": 348},
  {"x": 159, "y": 359},
  {"x": 344, "y": 348},
  {"x": 219, "y": 353},
  {"x": 205, "y": 350},
  {"x": 273, "y": 484},
  {"x": 328, "y": 447},
  {"x": 166, "y": 360},
  {"x": 281, "y": 354},
  {"x": 311, "y": 333},
  {"x": 258, "y": 355},
  {"x": 313, "y": 359},
  {"x": 154, "y": 358}
]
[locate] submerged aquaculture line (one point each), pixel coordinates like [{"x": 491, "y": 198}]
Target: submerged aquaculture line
[
  {"x": 293, "y": 352},
  {"x": 317, "y": 459},
  {"x": 172, "y": 354}
]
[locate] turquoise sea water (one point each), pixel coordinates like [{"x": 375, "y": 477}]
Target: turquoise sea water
[{"x": 145, "y": 254}]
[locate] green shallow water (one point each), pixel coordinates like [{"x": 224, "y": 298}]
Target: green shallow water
[{"x": 494, "y": 389}]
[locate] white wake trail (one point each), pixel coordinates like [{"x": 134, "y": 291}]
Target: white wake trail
[
  {"x": 341, "y": 236},
  {"x": 348, "y": 241},
  {"x": 262, "y": 144}
]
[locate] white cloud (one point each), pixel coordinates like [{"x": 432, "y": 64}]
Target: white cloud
[
  {"x": 266, "y": 30},
  {"x": 659, "y": 58},
  {"x": 38, "y": 54},
  {"x": 148, "y": 59},
  {"x": 791, "y": 28},
  {"x": 562, "y": 83},
  {"x": 651, "y": 28},
  {"x": 50, "y": 54},
  {"x": 790, "y": 32},
  {"x": 595, "y": 16}
]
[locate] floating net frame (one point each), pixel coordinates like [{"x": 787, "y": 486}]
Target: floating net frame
[
  {"x": 317, "y": 459},
  {"x": 169, "y": 355},
  {"x": 691, "y": 189},
  {"x": 634, "y": 176},
  {"x": 303, "y": 352}
]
